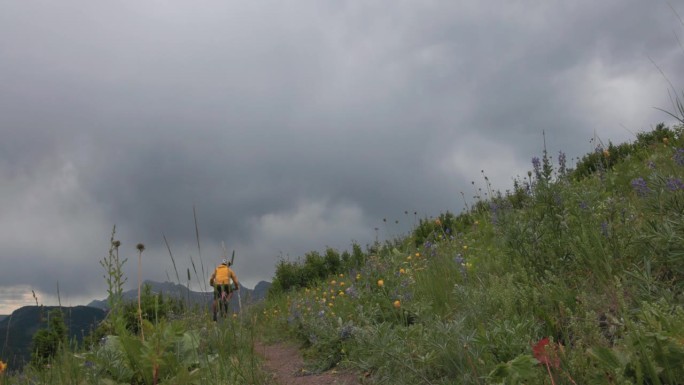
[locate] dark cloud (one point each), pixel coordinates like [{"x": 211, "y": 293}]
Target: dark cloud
[{"x": 292, "y": 127}]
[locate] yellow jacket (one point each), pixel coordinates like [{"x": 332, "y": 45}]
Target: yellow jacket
[{"x": 222, "y": 276}]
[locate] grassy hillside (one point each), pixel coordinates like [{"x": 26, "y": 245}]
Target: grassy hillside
[{"x": 572, "y": 276}]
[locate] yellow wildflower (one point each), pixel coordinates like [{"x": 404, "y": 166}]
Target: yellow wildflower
[
  {"x": 333, "y": 282},
  {"x": 3, "y": 366},
  {"x": 402, "y": 271},
  {"x": 381, "y": 283},
  {"x": 341, "y": 275},
  {"x": 477, "y": 223},
  {"x": 417, "y": 254},
  {"x": 358, "y": 276},
  {"x": 397, "y": 304},
  {"x": 465, "y": 247},
  {"x": 438, "y": 222},
  {"x": 330, "y": 304},
  {"x": 606, "y": 153},
  {"x": 341, "y": 294},
  {"x": 341, "y": 283}
]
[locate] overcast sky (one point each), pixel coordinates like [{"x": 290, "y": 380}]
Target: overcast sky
[{"x": 292, "y": 125}]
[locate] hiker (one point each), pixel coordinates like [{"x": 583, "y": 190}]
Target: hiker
[{"x": 223, "y": 290}]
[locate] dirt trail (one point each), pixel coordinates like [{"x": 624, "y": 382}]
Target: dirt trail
[{"x": 285, "y": 362}]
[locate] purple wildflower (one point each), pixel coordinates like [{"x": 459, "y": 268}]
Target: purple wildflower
[
  {"x": 679, "y": 156},
  {"x": 562, "y": 160},
  {"x": 536, "y": 164},
  {"x": 583, "y": 205},
  {"x": 674, "y": 184},
  {"x": 346, "y": 332},
  {"x": 604, "y": 229},
  {"x": 639, "y": 185},
  {"x": 351, "y": 292}
]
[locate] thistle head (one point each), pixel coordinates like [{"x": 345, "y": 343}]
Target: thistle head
[
  {"x": 140, "y": 247},
  {"x": 116, "y": 244}
]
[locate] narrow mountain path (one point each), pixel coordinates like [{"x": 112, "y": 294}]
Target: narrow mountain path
[{"x": 285, "y": 363}]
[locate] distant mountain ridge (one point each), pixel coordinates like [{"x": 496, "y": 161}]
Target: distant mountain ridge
[
  {"x": 200, "y": 298},
  {"x": 17, "y": 330}
]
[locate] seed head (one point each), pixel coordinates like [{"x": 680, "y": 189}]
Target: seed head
[
  {"x": 116, "y": 244},
  {"x": 140, "y": 247}
]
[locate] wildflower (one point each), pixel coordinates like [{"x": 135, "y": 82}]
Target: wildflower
[
  {"x": 604, "y": 229},
  {"x": 583, "y": 205},
  {"x": 468, "y": 265},
  {"x": 381, "y": 283},
  {"x": 140, "y": 247},
  {"x": 541, "y": 353},
  {"x": 351, "y": 292},
  {"x": 666, "y": 141},
  {"x": 3, "y": 367},
  {"x": 674, "y": 184},
  {"x": 639, "y": 185},
  {"x": 358, "y": 276},
  {"x": 341, "y": 275},
  {"x": 417, "y": 255},
  {"x": 333, "y": 282},
  {"x": 397, "y": 304},
  {"x": 341, "y": 283},
  {"x": 679, "y": 157},
  {"x": 341, "y": 293},
  {"x": 465, "y": 247},
  {"x": 402, "y": 271},
  {"x": 346, "y": 332},
  {"x": 536, "y": 164},
  {"x": 561, "y": 163},
  {"x": 606, "y": 153},
  {"x": 408, "y": 258},
  {"x": 438, "y": 222},
  {"x": 477, "y": 223},
  {"x": 330, "y": 304}
]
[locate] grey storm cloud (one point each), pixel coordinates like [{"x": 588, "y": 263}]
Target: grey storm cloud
[{"x": 292, "y": 126}]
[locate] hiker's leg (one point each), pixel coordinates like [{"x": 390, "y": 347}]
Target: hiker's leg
[{"x": 213, "y": 305}]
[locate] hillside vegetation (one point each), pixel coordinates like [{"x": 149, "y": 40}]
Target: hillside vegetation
[{"x": 573, "y": 276}]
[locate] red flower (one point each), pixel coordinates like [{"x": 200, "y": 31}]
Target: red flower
[{"x": 544, "y": 354}]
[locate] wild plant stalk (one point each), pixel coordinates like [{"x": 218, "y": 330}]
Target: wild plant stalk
[
  {"x": 199, "y": 249},
  {"x": 114, "y": 277},
  {"x": 140, "y": 248},
  {"x": 188, "y": 306},
  {"x": 172, "y": 259}
]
